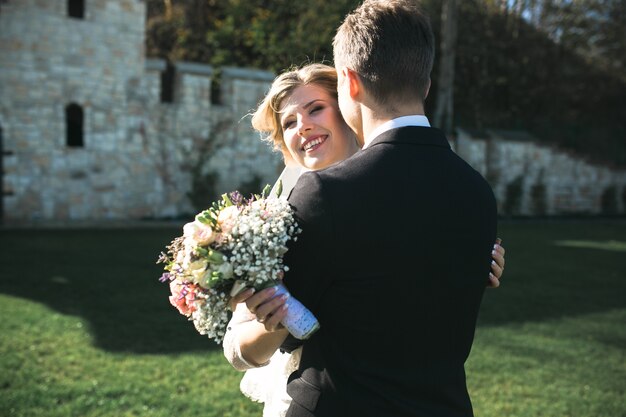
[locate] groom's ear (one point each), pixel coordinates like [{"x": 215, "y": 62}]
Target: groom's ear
[{"x": 354, "y": 82}]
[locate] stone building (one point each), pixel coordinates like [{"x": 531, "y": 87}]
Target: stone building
[{"x": 91, "y": 129}]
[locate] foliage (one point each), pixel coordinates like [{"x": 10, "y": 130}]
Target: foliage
[
  {"x": 87, "y": 334},
  {"x": 593, "y": 29},
  {"x": 539, "y": 199},
  {"x": 203, "y": 187},
  {"x": 514, "y": 74},
  {"x": 258, "y": 33},
  {"x": 554, "y": 68},
  {"x": 609, "y": 201},
  {"x": 252, "y": 186},
  {"x": 204, "y": 180},
  {"x": 513, "y": 198}
]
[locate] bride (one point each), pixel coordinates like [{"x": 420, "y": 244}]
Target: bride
[{"x": 301, "y": 118}]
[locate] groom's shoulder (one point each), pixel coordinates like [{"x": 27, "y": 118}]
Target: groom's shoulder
[{"x": 345, "y": 169}]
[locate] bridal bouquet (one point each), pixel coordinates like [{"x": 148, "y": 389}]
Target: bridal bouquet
[{"x": 236, "y": 243}]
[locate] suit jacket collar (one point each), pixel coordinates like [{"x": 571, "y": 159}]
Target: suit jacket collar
[{"x": 414, "y": 135}]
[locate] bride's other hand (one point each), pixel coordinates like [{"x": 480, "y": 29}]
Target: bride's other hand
[
  {"x": 497, "y": 265},
  {"x": 268, "y": 308}
]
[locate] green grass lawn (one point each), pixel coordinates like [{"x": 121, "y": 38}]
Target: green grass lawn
[{"x": 86, "y": 328}]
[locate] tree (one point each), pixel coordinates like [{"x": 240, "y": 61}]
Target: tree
[
  {"x": 445, "y": 94},
  {"x": 555, "y": 68},
  {"x": 271, "y": 35}
]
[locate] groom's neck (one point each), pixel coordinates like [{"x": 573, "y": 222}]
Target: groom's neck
[{"x": 374, "y": 115}]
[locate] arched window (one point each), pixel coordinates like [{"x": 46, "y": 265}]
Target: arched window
[
  {"x": 74, "y": 125},
  {"x": 76, "y": 8},
  {"x": 168, "y": 82},
  {"x": 216, "y": 88}
]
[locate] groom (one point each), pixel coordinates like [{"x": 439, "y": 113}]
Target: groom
[{"x": 396, "y": 240}]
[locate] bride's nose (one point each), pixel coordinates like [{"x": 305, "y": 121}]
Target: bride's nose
[{"x": 304, "y": 125}]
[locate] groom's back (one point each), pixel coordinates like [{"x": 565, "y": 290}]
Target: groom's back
[{"x": 410, "y": 236}]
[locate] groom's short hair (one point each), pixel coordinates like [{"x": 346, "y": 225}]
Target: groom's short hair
[{"x": 390, "y": 45}]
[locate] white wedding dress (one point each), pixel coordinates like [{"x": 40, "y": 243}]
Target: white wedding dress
[{"x": 266, "y": 383}]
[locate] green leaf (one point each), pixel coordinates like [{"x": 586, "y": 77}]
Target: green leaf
[
  {"x": 266, "y": 191},
  {"x": 227, "y": 200},
  {"x": 279, "y": 188}
]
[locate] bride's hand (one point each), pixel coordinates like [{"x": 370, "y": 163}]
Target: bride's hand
[
  {"x": 497, "y": 265},
  {"x": 240, "y": 298},
  {"x": 269, "y": 309}
]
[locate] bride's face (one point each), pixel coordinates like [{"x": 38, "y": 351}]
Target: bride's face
[{"x": 315, "y": 134}]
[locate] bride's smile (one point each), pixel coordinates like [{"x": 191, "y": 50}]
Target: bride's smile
[
  {"x": 312, "y": 143},
  {"x": 314, "y": 131}
]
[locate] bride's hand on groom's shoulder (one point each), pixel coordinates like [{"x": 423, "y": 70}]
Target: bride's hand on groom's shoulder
[{"x": 497, "y": 264}]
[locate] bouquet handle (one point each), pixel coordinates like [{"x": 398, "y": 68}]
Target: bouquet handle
[{"x": 300, "y": 321}]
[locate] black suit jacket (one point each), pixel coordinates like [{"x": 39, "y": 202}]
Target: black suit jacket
[{"x": 393, "y": 260}]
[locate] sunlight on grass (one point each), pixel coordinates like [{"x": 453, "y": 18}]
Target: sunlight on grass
[
  {"x": 572, "y": 366},
  {"x": 82, "y": 335},
  {"x": 51, "y": 368},
  {"x": 612, "y": 245}
]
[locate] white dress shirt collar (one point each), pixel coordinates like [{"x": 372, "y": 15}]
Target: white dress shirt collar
[{"x": 412, "y": 120}]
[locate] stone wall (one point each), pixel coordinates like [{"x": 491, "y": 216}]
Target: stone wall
[
  {"x": 533, "y": 179},
  {"x": 140, "y": 155},
  {"x": 138, "y": 151}
]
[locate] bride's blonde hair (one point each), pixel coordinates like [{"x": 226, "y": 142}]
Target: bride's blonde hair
[{"x": 266, "y": 118}]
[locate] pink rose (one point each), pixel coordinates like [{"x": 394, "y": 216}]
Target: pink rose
[{"x": 183, "y": 297}]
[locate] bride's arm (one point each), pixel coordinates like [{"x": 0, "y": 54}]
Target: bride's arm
[
  {"x": 232, "y": 350},
  {"x": 257, "y": 344},
  {"x": 247, "y": 342}
]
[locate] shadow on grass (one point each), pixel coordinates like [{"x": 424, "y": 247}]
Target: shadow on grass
[
  {"x": 109, "y": 278},
  {"x": 557, "y": 269}
]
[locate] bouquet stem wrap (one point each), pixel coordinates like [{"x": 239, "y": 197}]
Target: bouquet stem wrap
[{"x": 300, "y": 322}]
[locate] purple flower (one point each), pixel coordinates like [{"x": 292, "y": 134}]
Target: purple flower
[{"x": 236, "y": 198}]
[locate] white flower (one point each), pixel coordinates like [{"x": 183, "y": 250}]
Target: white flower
[
  {"x": 226, "y": 269},
  {"x": 251, "y": 243},
  {"x": 199, "y": 233},
  {"x": 227, "y": 217},
  {"x": 196, "y": 269}
]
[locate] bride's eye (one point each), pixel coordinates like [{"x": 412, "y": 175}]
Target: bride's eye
[
  {"x": 316, "y": 109},
  {"x": 287, "y": 124}
]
